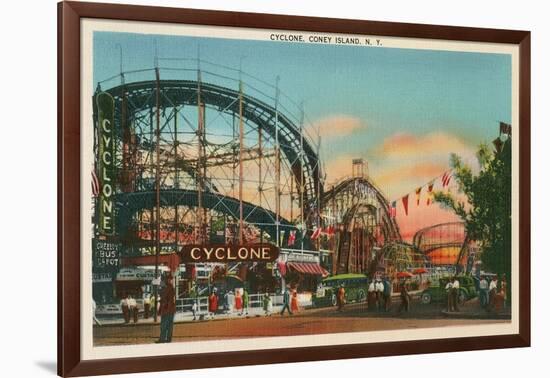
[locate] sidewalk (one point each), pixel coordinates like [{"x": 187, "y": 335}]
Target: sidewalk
[
  {"x": 187, "y": 316},
  {"x": 183, "y": 317}
]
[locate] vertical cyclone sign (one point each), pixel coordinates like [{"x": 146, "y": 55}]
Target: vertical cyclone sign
[{"x": 106, "y": 162}]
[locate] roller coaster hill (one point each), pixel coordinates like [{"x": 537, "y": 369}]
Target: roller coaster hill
[{"x": 203, "y": 153}]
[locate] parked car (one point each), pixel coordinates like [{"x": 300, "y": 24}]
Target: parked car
[
  {"x": 355, "y": 286},
  {"x": 437, "y": 292}
]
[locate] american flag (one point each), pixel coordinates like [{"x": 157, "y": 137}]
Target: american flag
[
  {"x": 393, "y": 209},
  {"x": 505, "y": 128},
  {"x": 292, "y": 238},
  {"x": 95, "y": 184},
  {"x": 316, "y": 233},
  {"x": 446, "y": 179}
]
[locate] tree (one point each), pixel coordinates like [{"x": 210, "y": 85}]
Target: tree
[{"x": 487, "y": 210}]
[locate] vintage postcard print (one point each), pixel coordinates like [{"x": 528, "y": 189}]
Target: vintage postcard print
[{"x": 252, "y": 189}]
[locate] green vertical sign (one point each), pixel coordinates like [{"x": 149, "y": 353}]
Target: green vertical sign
[{"x": 106, "y": 162}]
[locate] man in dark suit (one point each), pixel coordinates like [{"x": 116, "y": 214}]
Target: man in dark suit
[
  {"x": 167, "y": 310},
  {"x": 286, "y": 302}
]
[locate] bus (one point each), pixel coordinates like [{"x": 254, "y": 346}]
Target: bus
[{"x": 355, "y": 286}]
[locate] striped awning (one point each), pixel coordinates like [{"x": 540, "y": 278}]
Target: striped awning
[{"x": 308, "y": 268}]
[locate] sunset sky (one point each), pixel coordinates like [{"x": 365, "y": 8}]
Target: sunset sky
[{"x": 402, "y": 110}]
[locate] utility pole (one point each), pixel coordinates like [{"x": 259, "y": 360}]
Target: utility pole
[
  {"x": 278, "y": 167},
  {"x": 241, "y": 173},
  {"x": 157, "y": 184},
  {"x": 200, "y": 159},
  {"x": 177, "y": 183},
  {"x": 302, "y": 205}
]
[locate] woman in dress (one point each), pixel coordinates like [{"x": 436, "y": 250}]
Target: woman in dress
[
  {"x": 238, "y": 300},
  {"x": 212, "y": 304},
  {"x": 294, "y": 301},
  {"x": 125, "y": 309}
]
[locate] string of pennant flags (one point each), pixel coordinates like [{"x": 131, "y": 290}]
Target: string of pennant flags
[
  {"x": 446, "y": 177},
  {"x": 445, "y": 180}
]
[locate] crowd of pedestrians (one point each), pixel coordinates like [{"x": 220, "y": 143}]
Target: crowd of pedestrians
[
  {"x": 379, "y": 294},
  {"x": 493, "y": 293}
]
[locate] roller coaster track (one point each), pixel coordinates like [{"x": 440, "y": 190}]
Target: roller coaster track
[
  {"x": 350, "y": 183},
  {"x": 141, "y": 95},
  {"x": 357, "y": 196},
  {"x": 130, "y": 203}
]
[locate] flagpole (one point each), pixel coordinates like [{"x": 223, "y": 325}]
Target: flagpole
[
  {"x": 302, "y": 174},
  {"x": 278, "y": 167},
  {"x": 241, "y": 172},
  {"x": 157, "y": 182}
]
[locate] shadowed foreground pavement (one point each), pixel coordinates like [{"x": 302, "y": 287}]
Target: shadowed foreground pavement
[{"x": 355, "y": 318}]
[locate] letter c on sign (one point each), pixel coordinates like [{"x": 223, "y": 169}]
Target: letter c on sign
[
  {"x": 106, "y": 126},
  {"x": 217, "y": 253},
  {"x": 193, "y": 253}
]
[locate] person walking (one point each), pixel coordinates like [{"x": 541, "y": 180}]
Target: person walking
[
  {"x": 387, "y": 294},
  {"x": 94, "y": 308},
  {"x": 493, "y": 287},
  {"x": 379, "y": 287},
  {"x": 212, "y": 304},
  {"x": 230, "y": 301},
  {"x": 194, "y": 308},
  {"x": 125, "y": 309},
  {"x": 167, "y": 310},
  {"x": 504, "y": 290},
  {"x": 371, "y": 296},
  {"x": 238, "y": 300},
  {"x": 483, "y": 292},
  {"x": 132, "y": 307},
  {"x": 286, "y": 302},
  {"x": 455, "y": 289},
  {"x": 341, "y": 297},
  {"x": 294, "y": 301},
  {"x": 448, "y": 289},
  {"x": 267, "y": 305},
  {"x": 405, "y": 298},
  {"x": 146, "y": 306},
  {"x": 246, "y": 300}
]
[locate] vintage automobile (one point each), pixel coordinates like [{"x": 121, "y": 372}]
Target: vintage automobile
[
  {"x": 355, "y": 286},
  {"x": 437, "y": 293}
]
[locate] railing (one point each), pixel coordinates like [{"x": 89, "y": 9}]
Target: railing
[{"x": 185, "y": 305}]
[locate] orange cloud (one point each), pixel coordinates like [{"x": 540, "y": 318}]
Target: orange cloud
[
  {"x": 415, "y": 171},
  {"x": 405, "y": 161},
  {"x": 336, "y": 126},
  {"x": 338, "y": 168},
  {"x": 435, "y": 143},
  {"x": 399, "y": 180}
]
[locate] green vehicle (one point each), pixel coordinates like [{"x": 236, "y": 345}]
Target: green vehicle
[
  {"x": 354, "y": 284},
  {"x": 437, "y": 293}
]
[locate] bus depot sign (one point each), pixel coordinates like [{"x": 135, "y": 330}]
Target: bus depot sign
[
  {"x": 106, "y": 254},
  {"x": 106, "y": 162},
  {"x": 221, "y": 253}
]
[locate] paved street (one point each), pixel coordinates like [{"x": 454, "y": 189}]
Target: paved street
[{"x": 355, "y": 318}]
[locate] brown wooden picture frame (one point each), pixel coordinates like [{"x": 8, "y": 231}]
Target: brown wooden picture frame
[{"x": 69, "y": 356}]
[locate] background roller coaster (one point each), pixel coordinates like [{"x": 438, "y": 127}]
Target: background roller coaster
[{"x": 232, "y": 156}]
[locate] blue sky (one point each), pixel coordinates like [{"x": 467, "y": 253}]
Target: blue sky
[{"x": 451, "y": 100}]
